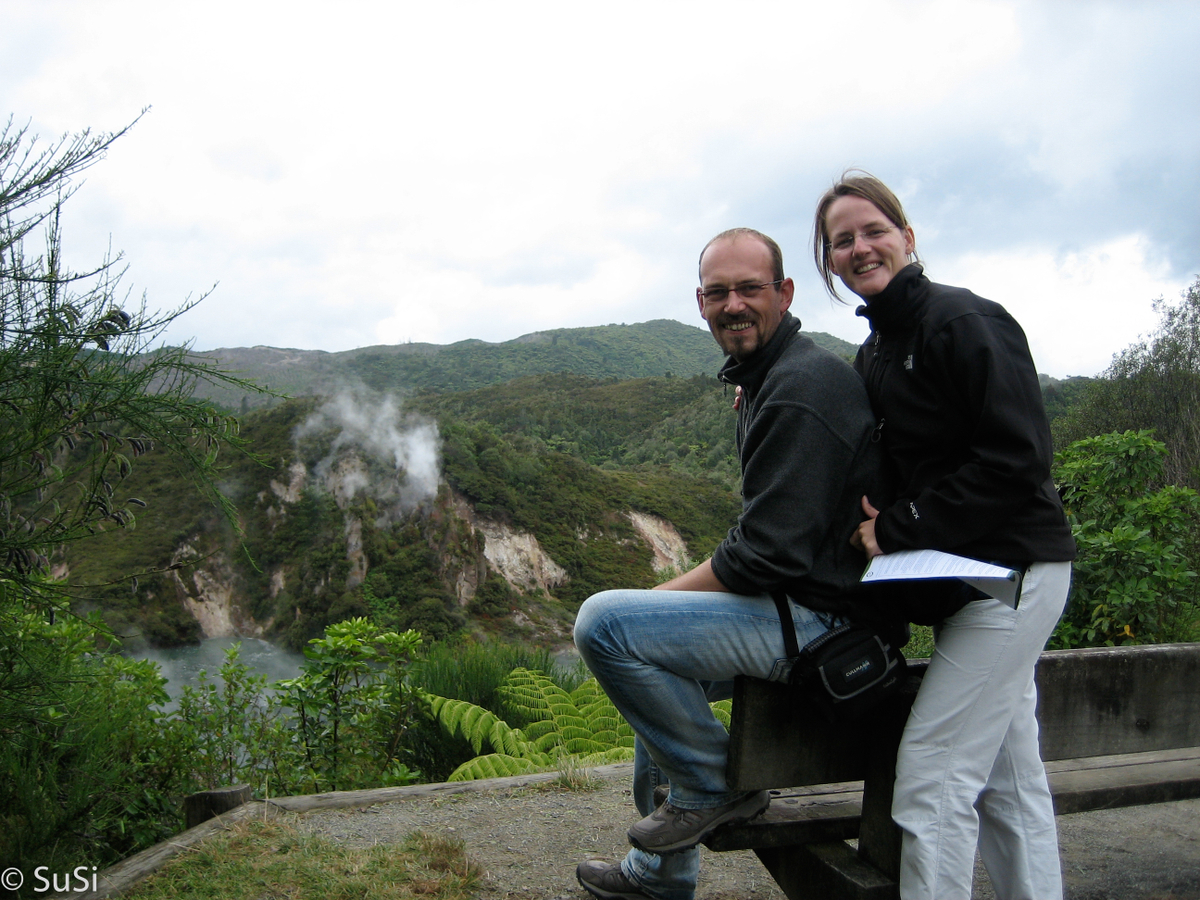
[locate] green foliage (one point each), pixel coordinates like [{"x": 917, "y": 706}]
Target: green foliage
[
  {"x": 594, "y": 419},
  {"x": 234, "y": 730},
  {"x": 1061, "y": 396},
  {"x": 85, "y": 394},
  {"x": 1135, "y": 578},
  {"x": 475, "y": 672},
  {"x": 577, "y": 511},
  {"x": 88, "y": 764},
  {"x": 576, "y": 728},
  {"x": 352, "y": 706},
  {"x": 88, "y": 768},
  {"x": 1152, "y": 384},
  {"x": 582, "y": 724}
]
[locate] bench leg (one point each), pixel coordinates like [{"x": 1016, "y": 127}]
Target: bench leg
[{"x": 878, "y": 835}]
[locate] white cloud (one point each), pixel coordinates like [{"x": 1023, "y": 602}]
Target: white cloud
[
  {"x": 378, "y": 171},
  {"x": 1078, "y": 310}
]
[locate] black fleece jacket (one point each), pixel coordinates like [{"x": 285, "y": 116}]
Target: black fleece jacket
[
  {"x": 961, "y": 417},
  {"x": 804, "y": 441}
]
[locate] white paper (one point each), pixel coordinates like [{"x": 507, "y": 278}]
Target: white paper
[{"x": 913, "y": 565}]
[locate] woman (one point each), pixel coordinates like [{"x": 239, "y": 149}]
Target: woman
[{"x": 960, "y": 413}]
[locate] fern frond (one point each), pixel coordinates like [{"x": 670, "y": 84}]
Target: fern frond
[
  {"x": 493, "y": 765},
  {"x": 476, "y": 724},
  {"x": 536, "y": 730},
  {"x": 531, "y": 694}
]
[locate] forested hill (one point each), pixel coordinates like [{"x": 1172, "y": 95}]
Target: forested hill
[
  {"x": 655, "y": 348},
  {"x": 493, "y": 509}
]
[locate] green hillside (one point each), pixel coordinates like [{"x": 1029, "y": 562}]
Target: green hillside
[
  {"x": 297, "y": 572},
  {"x": 557, "y": 436}
]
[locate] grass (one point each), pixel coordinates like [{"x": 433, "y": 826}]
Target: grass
[
  {"x": 573, "y": 777},
  {"x": 271, "y": 860}
]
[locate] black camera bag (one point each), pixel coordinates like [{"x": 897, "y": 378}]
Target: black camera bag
[{"x": 846, "y": 671}]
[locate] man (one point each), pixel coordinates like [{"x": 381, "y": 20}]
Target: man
[{"x": 804, "y": 443}]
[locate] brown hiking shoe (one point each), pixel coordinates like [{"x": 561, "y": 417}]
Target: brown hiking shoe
[
  {"x": 670, "y": 829},
  {"x": 606, "y": 881}
]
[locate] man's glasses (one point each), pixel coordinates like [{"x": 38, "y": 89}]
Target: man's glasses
[{"x": 747, "y": 291}]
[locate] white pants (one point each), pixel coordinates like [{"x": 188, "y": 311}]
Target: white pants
[{"x": 969, "y": 770}]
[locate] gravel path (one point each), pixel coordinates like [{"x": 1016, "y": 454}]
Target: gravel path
[{"x": 529, "y": 839}]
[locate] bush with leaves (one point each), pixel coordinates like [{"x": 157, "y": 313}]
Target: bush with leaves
[
  {"x": 93, "y": 770},
  {"x": 234, "y": 729},
  {"x": 351, "y": 707},
  {"x": 1134, "y": 579}
]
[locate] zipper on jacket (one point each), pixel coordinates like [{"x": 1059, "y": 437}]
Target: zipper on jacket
[{"x": 874, "y": 379}]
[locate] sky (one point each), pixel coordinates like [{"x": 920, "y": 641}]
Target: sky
[{"x": 338, "y": 175}]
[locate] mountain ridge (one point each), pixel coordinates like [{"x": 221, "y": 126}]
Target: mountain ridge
[{"x": 653, "y": 348}]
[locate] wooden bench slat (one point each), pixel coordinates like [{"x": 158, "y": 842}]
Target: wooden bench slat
[
  {"x": 821, "y": 813},
  {"x": 1111, "y": 761},
  {"x": 795, "y": 818},
  {"x": 1130, "y": 781}
]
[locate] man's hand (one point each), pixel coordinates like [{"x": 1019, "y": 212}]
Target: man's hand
[{"x": 864, "y": 537}]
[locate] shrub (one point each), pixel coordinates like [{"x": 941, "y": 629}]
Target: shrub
[
  {"x": 1134, "y": 578},
  {"x": 352, "y": 706},
  {"x": 89, "y": 767}
]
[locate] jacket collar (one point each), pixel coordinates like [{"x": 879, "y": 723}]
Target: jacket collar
[
  {"x": 750, "y": 372},
  {"x": 900, "y": 303}
]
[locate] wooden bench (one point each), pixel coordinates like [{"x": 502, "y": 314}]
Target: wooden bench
[{"x": 1119, "y": 727}]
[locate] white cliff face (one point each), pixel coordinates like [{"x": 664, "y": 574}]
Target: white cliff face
[
  {"x": 668, "y": 547},
  {"x": 346, "y": 478},
  {"x": 290, "y": 492},
  {"x": 519, "y": 558},
  {"x": 207, "y": 591}
]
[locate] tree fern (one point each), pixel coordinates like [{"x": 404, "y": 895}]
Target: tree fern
[{"x": 582, "y": 725}]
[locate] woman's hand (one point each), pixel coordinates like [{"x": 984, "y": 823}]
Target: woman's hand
[{"x": 864, "y": 537}]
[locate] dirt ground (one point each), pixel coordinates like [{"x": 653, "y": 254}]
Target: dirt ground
[{"x": 528, "y": 841}]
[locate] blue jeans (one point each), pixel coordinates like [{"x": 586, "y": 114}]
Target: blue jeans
[{"x": 661, "y": 656}]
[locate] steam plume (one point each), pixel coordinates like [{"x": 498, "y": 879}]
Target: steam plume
[{"x": 376, "y": 431}]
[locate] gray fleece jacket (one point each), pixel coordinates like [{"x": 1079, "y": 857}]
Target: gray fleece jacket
[{"x": 804, "y": 441}]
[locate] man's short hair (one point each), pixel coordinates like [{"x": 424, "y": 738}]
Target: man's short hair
[{"x": 772, "y": 247}]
